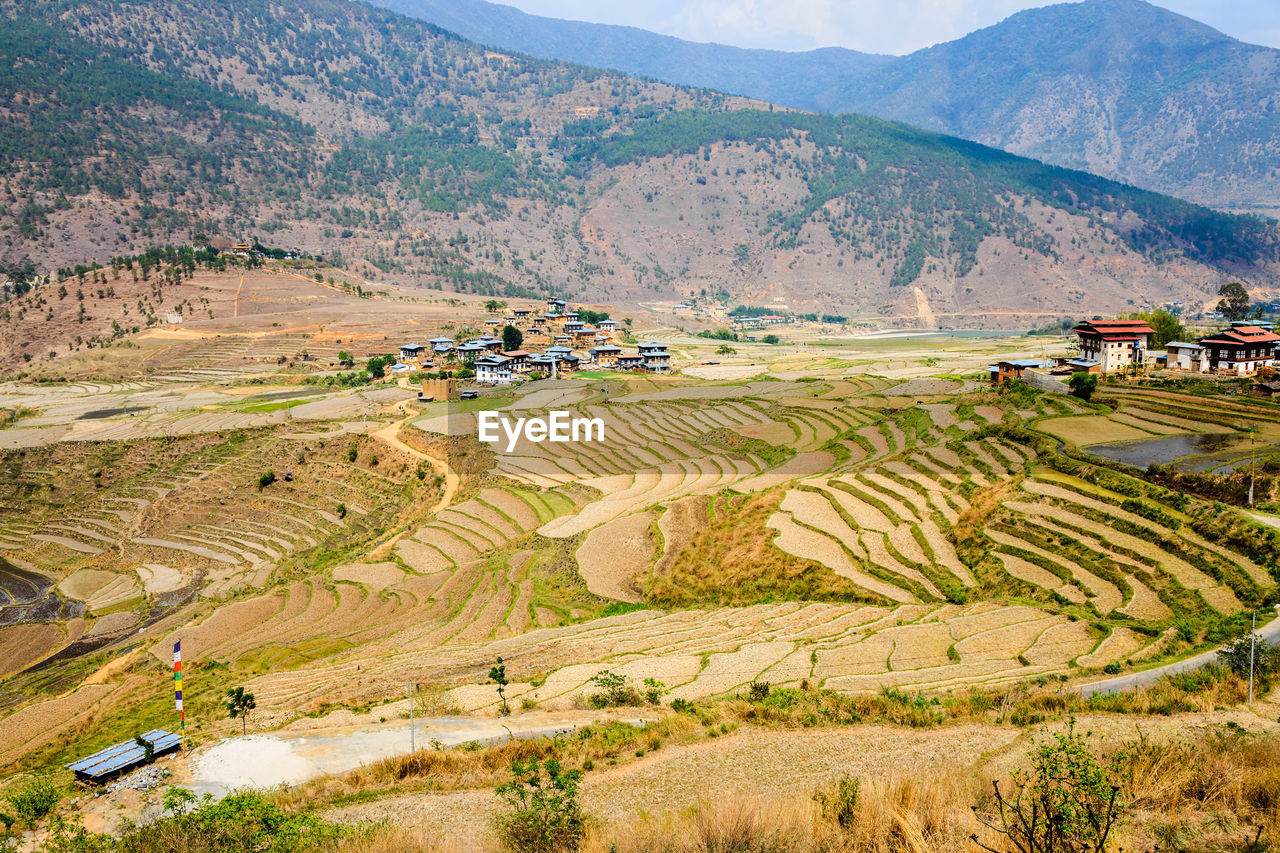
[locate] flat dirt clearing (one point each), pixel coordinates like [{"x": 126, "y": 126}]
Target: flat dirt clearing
[
  {"x": 1082, "y": 430},
  {"x": 613, "y": 554},
  {"x": 924, "y": 388},
  {"x": 725, "y": 371},
  {"x": 773, "y": 432},
  {"x": 23, "y": 645},
  {"x": 376, "y": 576}
]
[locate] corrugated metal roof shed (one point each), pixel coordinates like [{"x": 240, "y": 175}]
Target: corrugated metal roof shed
[{"x": 124, "y": 756}]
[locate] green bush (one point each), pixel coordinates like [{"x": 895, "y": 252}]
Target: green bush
[
  {"x": 1235, "y": 656},
  {"x": 1083, "y": 384},
  {"x": 542, "y": 811},
  {"x": 618, "y": 690},
  {"x": 34, "y": 800},
  {"x": 239, "y": 822},
  {"x": 839, "y": 803},
  {"x": 1069, "y": 802}
]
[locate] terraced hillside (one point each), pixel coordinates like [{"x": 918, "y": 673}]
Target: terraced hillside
[{"x": 817, "y": 524}]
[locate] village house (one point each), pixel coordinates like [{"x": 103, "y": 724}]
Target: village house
[
  {"x": 1180, "y": 355},
  {"x": 493, "y": 369},
  {"x": 1002, "y": 371},
  {"x": 1240, "y": 350},
  {"x": 629, "y": 361},
  {"x": 605, "y": 354},
  {"x": 521, "y": 313},
  {"x": 468, "y": 351},
  {"x": 412, "y": 353},
  {"x": 555, "y": 306},
  {"x": 489, "y": 343},
  {"x": 608, "y": 326},
  {"x": 572, "y": 327},
  {"x": 519, "y": 360},
  {"x": 441, "y": 345},
  {"x": 655, "y": 357},
  {"x": 1113, "y": 344}
]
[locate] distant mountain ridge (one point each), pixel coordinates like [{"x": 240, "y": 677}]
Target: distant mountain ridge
[
  {"x": 780, "y": 77},
  {"x": 1121, "y": 88},
  {"x": 403, "y": 152}
]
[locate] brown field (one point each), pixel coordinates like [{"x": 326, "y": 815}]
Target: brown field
[{"x": 911, "y": 555}]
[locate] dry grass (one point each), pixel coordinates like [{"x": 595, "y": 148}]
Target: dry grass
[
  {"x": 733, "y": 561},
  {"x": 1207, "y": 793}
]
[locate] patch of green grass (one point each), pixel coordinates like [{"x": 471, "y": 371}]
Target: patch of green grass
[
  {"x": 279, "y": 658},
  {"x": 277, "y": 406}
]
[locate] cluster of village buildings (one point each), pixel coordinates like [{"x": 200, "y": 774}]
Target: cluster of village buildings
[
  {"x": 573, "y": 345},
  {"x": 1109, "y": 346}
]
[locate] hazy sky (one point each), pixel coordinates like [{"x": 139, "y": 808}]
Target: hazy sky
[{"x": 876, "y": 26}]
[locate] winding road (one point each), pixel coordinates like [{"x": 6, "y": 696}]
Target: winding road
[{"x": 1136, "y": 680}]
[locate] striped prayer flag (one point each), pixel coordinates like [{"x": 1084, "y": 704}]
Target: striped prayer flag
[
  {"x": 177, "y": 677},
  {"x": 177, "y": 691}
]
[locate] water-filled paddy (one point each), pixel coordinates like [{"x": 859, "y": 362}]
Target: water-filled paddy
[{"x": 1168, "y": 449}]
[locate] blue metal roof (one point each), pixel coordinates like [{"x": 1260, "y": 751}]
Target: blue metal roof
[{"x": 123, "y": 756}]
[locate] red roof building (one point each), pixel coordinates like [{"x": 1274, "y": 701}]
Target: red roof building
[
  {"x": 1240, "y": 349},
  {"x": 1113, "y": 344}
]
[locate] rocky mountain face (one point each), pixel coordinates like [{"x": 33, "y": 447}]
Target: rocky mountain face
[
  {"x": 406, "y": 153},
  {"x": 1120, "y": 88}
]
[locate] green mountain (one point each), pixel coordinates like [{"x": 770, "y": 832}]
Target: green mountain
[
  {"x": 1121, "y": 88},
  {"x": 408, "y": 153}
]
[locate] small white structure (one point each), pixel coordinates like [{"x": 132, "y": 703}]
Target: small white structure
[{"x": 1186, "y": 356}]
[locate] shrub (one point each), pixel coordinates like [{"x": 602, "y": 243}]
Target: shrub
[
  {"x": 682, "y": 706},
  {"x": 839, "y": 803},
  {"x": 498, "y": 675},
  {"x": 1112, "y": 668},
  {"x": 34, "y": 800},
  {"x": 1068, "y": 803},
  {"x": 1235, "y": 656},
  {"x": 265, "y": 479},
  {"x": 543, "y": 814},
  {"x": 758, "y": 691},
  {"x": 616, "y": 690},
  {"x": 1083, "y": 384}
]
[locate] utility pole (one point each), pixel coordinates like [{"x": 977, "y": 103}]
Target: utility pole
[
  {"x": 412, "y": 746},
  {"x": 1253, "y": 641}
]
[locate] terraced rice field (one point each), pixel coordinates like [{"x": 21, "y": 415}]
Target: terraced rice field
[
  {"x": 881, "y": 518},
  {"x": 983, "y": 564}
]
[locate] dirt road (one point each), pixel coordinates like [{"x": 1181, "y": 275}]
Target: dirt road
[{"x": 390, "y": 434}]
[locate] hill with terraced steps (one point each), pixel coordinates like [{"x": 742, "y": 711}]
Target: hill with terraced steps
[{"x": 822, "y": 522}]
